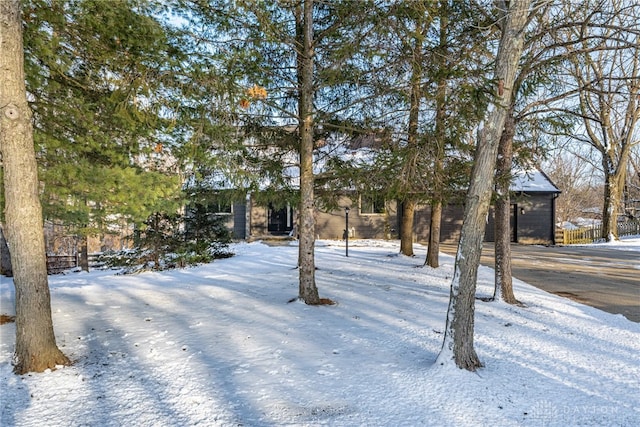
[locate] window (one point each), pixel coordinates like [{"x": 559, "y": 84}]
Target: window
[
  {"x": 371, "y": 205},
  {"x": 220, "y": 207}
]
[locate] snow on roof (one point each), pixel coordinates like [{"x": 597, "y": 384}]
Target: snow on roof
[{"x": 532, "y": 181}]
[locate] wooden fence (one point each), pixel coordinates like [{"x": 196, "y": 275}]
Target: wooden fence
[
  {"x": 57, "y": 264},
  {"x": 594, "y": 234}
]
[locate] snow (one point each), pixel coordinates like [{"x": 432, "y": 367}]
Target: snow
[
  {"x": 218, "y": 345},
  {"x": 626, "y": 243},
  {"x": 532, "y": 180}
]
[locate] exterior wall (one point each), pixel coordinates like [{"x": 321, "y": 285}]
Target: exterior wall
[
  {"x": 537, "y": 224},
  {"x": 258, "y": 220},
  {"x": 238, "y": 221},
  {"x": 331, "y": 225},
  {"x": 489, "y": 235},
  {"x": 451, "y": 223},
  {"x": 59, "y": 242}
]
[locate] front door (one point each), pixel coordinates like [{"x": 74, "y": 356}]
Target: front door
[{"x": 280, "y": 220}]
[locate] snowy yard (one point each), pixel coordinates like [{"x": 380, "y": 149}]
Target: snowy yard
[{"x": 219, "y": 345}]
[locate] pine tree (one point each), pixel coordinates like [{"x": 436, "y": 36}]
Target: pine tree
[
  {"x": 297, "y": 53},
  {"x": 427, "y": 93},
  {"x": 96, "y": 72}
]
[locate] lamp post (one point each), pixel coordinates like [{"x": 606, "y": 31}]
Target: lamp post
[{"x": 346, "y": 230}]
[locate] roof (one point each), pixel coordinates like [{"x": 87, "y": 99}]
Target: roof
[{"x": 532, "y": 181}]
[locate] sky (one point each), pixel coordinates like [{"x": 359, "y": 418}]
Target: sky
[{"x": 220, "y": 345}]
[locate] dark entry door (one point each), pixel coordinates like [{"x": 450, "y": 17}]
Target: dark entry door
[
  {"x": 489, "y": 235},
  {"x": 280, "y": 220}
]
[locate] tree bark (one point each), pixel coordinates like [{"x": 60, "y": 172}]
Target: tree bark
[
  {"x": 458, "y": 341},
  {"x": 406, "y": 227},
  {"x": 5, "y": 256},
  {"x": 410, "y": 172},
  {"x": 613, "y": 191},
  {"x": 503, "y": 276},
  {"x": 36, "y": 348},
  {"x": 84, "y": 254},
  {"x": 308, "y": 291},
  {"x": 433, "y": 251}
]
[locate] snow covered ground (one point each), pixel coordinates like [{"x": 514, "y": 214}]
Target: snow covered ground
[{"x": 218, "y": 345}]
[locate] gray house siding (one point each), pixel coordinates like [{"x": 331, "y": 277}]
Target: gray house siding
[
  {"x": 261, "y": 221},
  {"x": 533, "y": 198},
  {"x": 535, "y": 218},
  {"x": 490, "y": 231},
  {"x": 331, "y": 225},
  {"x": 239, "y": 226},
  {"x": 532, "y": 218},
  {"x": 449, "y": 228},
  {"x": 535, "y": 226}
]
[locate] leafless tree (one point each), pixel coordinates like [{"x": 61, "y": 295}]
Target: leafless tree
[
  {"x": 607, "y": 78},
  {"x": 458, "y": 340},
  {"x": 580, "y": 188}
]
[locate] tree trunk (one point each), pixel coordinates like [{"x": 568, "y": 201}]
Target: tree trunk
[
  {"x": 433, "y": 251},
  {"x": 609, "y": 106},
  {"x": 458, "y": 340},
  {"x": 613, "y": 189},
  {"x": 36, "y": 348},
  {"x": 308, "y": 291},
  {"x": 409, "y": 173},
  {"x": 406, "y": 227},
  {"x": 503, "y": 276},
  {"x": 5, "y": 256},
  {"x": 84, "y": 254}
]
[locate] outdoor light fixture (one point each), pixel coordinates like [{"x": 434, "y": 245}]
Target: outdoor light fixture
[{"x": 346, "y": 231}]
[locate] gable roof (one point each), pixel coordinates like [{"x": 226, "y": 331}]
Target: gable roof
[{"x": 532, "y": 181}]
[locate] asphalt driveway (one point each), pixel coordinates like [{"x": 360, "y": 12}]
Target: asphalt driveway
[{"x": 607, "y": 279}]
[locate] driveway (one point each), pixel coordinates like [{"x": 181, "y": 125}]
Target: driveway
[{"x": 607, "y": 279}]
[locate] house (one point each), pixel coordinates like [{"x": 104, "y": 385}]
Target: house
[
  {"x": 533, "y": 197},
  {"x": 256, "y": 216},
  {"x": 533, "y": 207}
]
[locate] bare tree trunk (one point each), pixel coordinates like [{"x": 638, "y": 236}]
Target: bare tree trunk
[
  {"x": 410, "y": 172},
  {"x": 406, "y": 227},
  {"x": 5, "y": 256},
  {"x": 610, "y": 105},
  {"x": 458, "y": 340},
  {"x": 36, "y": 348},
  {"x": 433, "y": 251},
  {"x": 503, "y": 275},
  {"x": 84, "y": 254},
  {"x": 613, "y": 190},
  {"x": 308, "y": 291}
]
